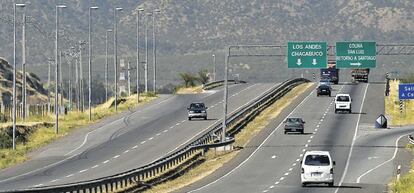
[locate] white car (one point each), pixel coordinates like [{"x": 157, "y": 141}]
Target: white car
[
  {"x": 317, "y": 168},
  {"x": 343, "y": 103}
]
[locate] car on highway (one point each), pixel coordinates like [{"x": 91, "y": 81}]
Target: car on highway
[
  {"x": 323, "y": 90},
  {"x": 317, "y": 168},
  {"x": 197, "y": 110},
  {"x": 326, "y": 82},
  {"x": 294, "y": 124},
  {"x": 343, "y": 103}
]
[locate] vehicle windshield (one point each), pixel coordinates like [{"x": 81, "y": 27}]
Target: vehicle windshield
[
  {"x": 197, "y": 106},
  {"x": 342, "y": 99},
  {"x": 293, "y": 120},
  {"x": 317, "y": 160}
]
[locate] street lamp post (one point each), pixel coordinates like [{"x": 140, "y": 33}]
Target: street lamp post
[
  {"x": 81, "y": 91},
  {"x": 24, "y": 100},
  {"x": 56, "y": 65},
  {"x": 116, "y": 56},
  {"x": 14, "y": 72},
  {"x": 139, "y": 10},
  {"x": 146, "y": 52},
  {"x": 226, "y": 69},
  {"x": 106, "y": 66},
  {"x": 214, "y": 67},
  {"x": 154, "y": 52},
  {"x": 90, "y": 65}
]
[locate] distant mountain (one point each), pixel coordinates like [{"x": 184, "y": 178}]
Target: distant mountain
[{"x": 199, "y": 26}]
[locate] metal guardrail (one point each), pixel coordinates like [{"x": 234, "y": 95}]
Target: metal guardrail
[
  {"x": 136, "y": 178},
  {"x": 411, "y": 139},
  {"x": 215, "y": 84}
]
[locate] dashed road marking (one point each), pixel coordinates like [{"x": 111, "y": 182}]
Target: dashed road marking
[
  {"x": 273, "y": 157},
  {"x": 306, "y": 145},
  {"x": 271, "y": 187},
  {"x": 117, "y": 156},
  {"x": 282, "y": 178},
  {"x": 294, "y": 164},
  {"x": 95, "y": 166},
  {"x": 68, "y": 176},
  {"x": 311, "y": 136},
  {"x": 135, "y": 147},
  {"x": 126, "y": 151},
  {"x": 105, "y": 162},
  {"x": 83, "y": 170},
  {"x": 165, "y": 131},
  {"x": 309, "y": 141},
  {"x": 276, "y": 183},
  {"x": 151, "y": 138},
  {"x": 55, "y": 180},
  {"x": 158, "y": 134},
  {"x": 290, "y": 169}
]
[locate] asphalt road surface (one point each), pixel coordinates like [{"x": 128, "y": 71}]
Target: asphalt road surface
[
  {"x": 365, "y": 156},
  {"x": 127, "y": 141}
]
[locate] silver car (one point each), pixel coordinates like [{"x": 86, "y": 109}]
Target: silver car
[{"x": 197, "y": 110}]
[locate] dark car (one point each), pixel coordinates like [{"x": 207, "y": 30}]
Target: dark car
[
  {"x": 294, "y": 124},
  {"x": 197, "y": 110},
  {"x": 323, "y": 90}
]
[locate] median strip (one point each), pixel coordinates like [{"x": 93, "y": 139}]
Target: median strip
[{"x": 212, "y": 160}]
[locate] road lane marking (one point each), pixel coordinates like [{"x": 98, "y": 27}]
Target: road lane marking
[
  {"x": 265, "y": 190},
  {"x": 158, "y": 134},
  {"x": 70, "y": 175},
  {"x": 83, "y": 170},
  {"x": 177, "y": 124},
  {"x": 303, "y": 150},
  {"x": 271, "y": 187},
  {"x": 170, "y": 128},
  {"x": 38, "y": 185},
  {"x": 143, "y": 142},
  {"x": 135, "y": 147},
  {"x": 117, "y": 156},
  {"x": 294, "y": 164},
  {"x": 182, "y": 121},
  {"x": 95, "y": 166},
  {"x": 290, "y": 169},
  {"x": 282, "y": 178},
  {"x": 353, "y": 141},
  {"x": 287, "y": 173},
  {"x": 311, "y": 136},
  {"x": 105, "y": 162},
  {"x": 392, "y": 158},
  {"x": 151, "y": 138},
  {"x": 317, "y": 126},
  {"x": 126, "y": 151},
  {"x": 309, "y": 141},
  {"x": 165, "y": 131},
  {"x": 297, "y": 160},
  {"x": 276, "y": 183},
  {"x": 306, "y": 145},
  {"x": 55, "y": 180},
  {"x": 273, "y": 157}
]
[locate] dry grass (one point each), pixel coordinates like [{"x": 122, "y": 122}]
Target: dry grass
[
  {"x": 392, "y": 108},
  {"x": 67, "y": 123},
  {"x": 190, "y": 90},
  {"x": 406, "y": 182},
  {"x": 214, "y": 161}
]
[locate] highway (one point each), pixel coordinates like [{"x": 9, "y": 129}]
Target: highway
[
  {"x": 364, "y": 155},
  {"x": 126, "y": 141}
]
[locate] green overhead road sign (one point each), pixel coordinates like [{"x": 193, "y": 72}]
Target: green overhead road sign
[
  {"x": 356, "y": 55},
  {"x": 306, "y": 55}
]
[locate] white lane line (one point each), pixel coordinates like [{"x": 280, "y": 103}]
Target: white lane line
[
  {"x": 282, "y": 178},
  {"x": 105, "y": 162},
  {"x": 95, "y": 166},
  {"x": 300, "y": 155},
  {"x": 316, "y": 129},
  {"x": 311, "y": 136},
  {"x": 165, "y": 131},
  {"x": 83, "y": 170},
  {"x": 126, "y": 151},
  {"x": 306, "y": 145},
  {"x": 297, "y": 160},
  {"x": 158, "y": 134},
  {"x": 353, "y": 141},
  {"x": 257, "y": 149},
  {"x": 276, "y": 183},
  {"x": 143, "y": 142},
  {"x": 151, "y": 138},
  {"x": 177, "y": 124},
  {"x": 271, "y": 187},
  {"x": 170, "y": 128},
  {"x": 55, "y": 180},
  {"x": 117, "y": 156},
  {"x": 290, "y": 169},
  {"x": 70, "y": 175},
  {"x": 182, "y": 121},
  {"x": 273, "y": 157},
  {"x": 265, "y": 191},
  {"x": 294, "y": 164},
  {"x": 135, "y": 147},
  {"x": 38, "y": 185},
  {"x": 376, "y": 167},
  {"x": 317, "y": 126},
  {"x": 303, "y": 150},
  {"x": 287, "y": 173},
  {"x": 309, "y": 141},
  {"x": 321, "y": 120}
]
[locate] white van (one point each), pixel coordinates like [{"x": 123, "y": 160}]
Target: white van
[
  {"x": 343, "y": 103},
  {"x": 317, "y": 168}
]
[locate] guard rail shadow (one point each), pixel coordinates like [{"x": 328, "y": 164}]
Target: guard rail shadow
[{"x": 136, "y": 179}]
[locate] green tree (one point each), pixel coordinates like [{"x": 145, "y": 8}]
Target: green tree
[
  {"x": 202, "y": 76},
  {"x": 188, "y": 78}
]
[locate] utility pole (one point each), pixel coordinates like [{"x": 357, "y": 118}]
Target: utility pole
[
  {"x": 154, "y": 52},
  {"x": 106, "y": 65},
  {"x": 57, "y": 66},
  {"x": 77, "y": 82},
  {"x": 139, "y": 10},
  {"x": 24, "y": 96},
  {"x": 61, "y": 90},
  {"x": 90, "y": 64},
  {"x": 81, "y": 91},
  {"x": 116, "y": 55},
  {"x": 48, "y": 84}
]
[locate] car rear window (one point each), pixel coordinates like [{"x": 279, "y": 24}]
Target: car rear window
[
  {"x": 342, "y": 98},
  {"x": 294, "y": 120},
  {"x": 317, "y": 160},
  {"x": 197, "y": 105}
]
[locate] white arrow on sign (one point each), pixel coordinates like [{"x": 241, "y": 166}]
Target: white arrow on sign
[
  {"x": 356, "y": 64},
  {"x": 314, "y": 61},
  {"x": 299, "y": 62}
]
